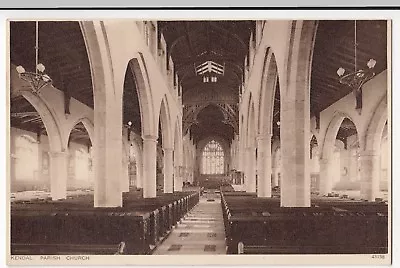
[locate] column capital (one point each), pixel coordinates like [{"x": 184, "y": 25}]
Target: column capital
[{"x": 149, "y": 138}]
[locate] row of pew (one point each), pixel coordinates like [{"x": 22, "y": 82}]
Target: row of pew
[
  {"x": 330, "y": 226},
  {"x": 74, "y": 226}
]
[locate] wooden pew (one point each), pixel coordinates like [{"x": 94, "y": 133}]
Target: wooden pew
[
  {"x": 140, "y": 223},
  {"x": 287, "y": 250},
  {"x": 63, "y": 249},
  {"x": 262, "y": 223}
]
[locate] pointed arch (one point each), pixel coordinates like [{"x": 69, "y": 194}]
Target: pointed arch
[
  {"x": 139, "y": 70},
  {"x": 87, "y": 123},
  {"x": 328, "y": 144},
  {"x": 165, "y": 119},
  {"x": 267, "y": 93},
  {"x": 49, "y": 121}
]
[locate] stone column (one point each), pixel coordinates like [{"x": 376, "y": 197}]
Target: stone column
[
  {"x": 139, "y": 170},
  {"x": 295, "y": 152},
  {"x": 353, "y": 166},
  {"x": 251, "y": 170},
  {"x": 168, "y": 170},
  {"x": 125, "y": 172},
  {"x": 370, "y": 175},
  {"x": 325, "y": 176},
  {"x": 177, "y": 179},
  {"x": 149, "y": 166},
  {"x": 264, "y": 165},
  {"x": 245, "y": 167},
  {"x": 275, "y": 178},
  {"x": 58, "y": 174}
]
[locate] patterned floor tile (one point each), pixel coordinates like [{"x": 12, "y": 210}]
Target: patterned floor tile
[
  {"x": 184, "y": 234},
  {"x": 175, "y": 247}
]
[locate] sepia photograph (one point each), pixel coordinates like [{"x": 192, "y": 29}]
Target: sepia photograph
[{"x": 172, "y": 137}]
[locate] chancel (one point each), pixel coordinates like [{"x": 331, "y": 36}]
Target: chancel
[{"x": 181, "y": 137}]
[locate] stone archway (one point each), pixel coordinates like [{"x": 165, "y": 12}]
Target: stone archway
[
  {"x": 167, "y": 145},
  {"x": 57, "y": 155},
  {"x": 327, "y": 151},
  {"x": 80, "y": 165},
  {"x": 265, "y": 120}
]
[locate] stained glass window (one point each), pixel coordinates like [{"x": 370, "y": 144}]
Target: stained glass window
[{"x": 213, "y": 158}]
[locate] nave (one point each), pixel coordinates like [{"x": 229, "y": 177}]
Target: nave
[{"x": 199, "y": 137}]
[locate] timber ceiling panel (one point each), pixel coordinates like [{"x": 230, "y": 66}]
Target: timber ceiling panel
[
  {"x": 63, "y": 52},
  {"x": 61, "y": 49},
  {"x": 334, "y": 48},
  {"x": 191, "y": 43},
  {"x": 210, "y": 123}
]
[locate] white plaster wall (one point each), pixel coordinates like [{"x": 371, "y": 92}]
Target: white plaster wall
[
  {"x": 373, "y": 92},
  {"x": 78, "y": 177}
]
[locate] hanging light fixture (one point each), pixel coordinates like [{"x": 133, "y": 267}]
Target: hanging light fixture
[
  {"x": 37, "y": 79},
  {"x": 356, "y": 79},
  {"x": 129, "y": 129}
]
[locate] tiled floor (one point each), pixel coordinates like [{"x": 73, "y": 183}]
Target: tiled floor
[{"x": 200, "y": 232}]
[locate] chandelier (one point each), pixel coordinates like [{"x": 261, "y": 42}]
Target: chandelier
[
  {"x": 358, "y": 78},
  {"x": 37, "y": 79}
]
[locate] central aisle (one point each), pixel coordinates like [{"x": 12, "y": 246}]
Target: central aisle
[{"x": 200, "y": 232}]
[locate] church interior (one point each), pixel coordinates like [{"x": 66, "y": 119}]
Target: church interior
[{"x": 179, "y": 137}]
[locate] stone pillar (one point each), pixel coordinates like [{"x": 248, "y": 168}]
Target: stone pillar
[
  {"x": 58, "y": 174},
  {"x": 125, "y": 171},
  {"x": 168, "y": 170},
  {"x": 177, "y": 179},
  {"x": 353, "y": 166},
  {"x": 275, "y": 177},
  {"x": 370, "y": 175},
  {"x": 251, "y": 170},
  {"x": 295, "y": 152},
  {"x": 139, "y": 172},
  {"x": 325, "y": 176},
  {"x": 264, "y": 165},
  {"x": 245, "y": 167},
  {"x": 149, "y": 166}
]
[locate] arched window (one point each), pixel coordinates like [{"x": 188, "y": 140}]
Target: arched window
[{"x": 213, "y": 158}]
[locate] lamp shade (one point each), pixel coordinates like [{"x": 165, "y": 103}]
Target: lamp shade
[{"x": 20, "y": 69}]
